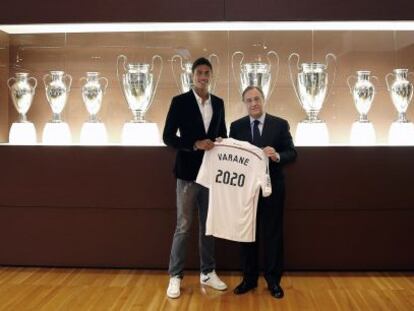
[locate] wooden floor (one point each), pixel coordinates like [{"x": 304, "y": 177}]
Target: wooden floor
[{"x": 93, "y": 289}]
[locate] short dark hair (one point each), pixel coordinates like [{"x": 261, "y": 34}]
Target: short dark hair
[
  {"x": 252, "y": 87},
  {"x": 201, "y": 61}
]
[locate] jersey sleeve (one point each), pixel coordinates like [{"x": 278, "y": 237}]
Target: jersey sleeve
[
  {"x": 265, "y": 182},
  {"x": 203, "y": 177}
]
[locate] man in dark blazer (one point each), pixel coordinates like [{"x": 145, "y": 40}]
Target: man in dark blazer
[
  {"x": 272, "y": 134},
  {"x": 199, "y": 118}
]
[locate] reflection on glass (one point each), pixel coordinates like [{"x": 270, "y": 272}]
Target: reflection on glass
[
  {"x": 141, "y": 134},
  {"x": 362, "y": 134},
  {"x": 312, "y": 134},
  {"x": 56, "y": 134},
  {"x": 401, "y": 133}
]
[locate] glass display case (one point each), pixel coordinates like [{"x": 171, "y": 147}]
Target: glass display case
[{"x": 337, "y": 83}]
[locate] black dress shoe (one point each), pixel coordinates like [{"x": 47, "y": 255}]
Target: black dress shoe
[
  {"x": 244, "y": 287},
  {"x": 276, "y": 291}
]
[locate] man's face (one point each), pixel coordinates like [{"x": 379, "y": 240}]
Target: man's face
[
  {"x": 201, "y": 77},
  {"x": 254, "y": 103}
]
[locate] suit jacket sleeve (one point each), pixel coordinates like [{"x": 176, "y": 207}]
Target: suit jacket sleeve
[
  {"x": 287, "y": 151},
  {"x": 172, "y": 124}
]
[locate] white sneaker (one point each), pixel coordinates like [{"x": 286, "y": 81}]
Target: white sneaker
[
  {"x": 211, "y": 279},
  {"x": 173, "y": 290}
]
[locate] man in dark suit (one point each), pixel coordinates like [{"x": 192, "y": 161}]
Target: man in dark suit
[
  {"x": 272, "y": 134},
  {"x": 199, "y": 118}
]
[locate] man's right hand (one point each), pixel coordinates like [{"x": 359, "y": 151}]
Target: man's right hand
[{"x": 205, "y": 144}]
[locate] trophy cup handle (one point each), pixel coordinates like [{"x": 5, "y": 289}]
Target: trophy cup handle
[
  {"x": 377, "y": 82},
  {"x": 234, "y": 72},
  {"x": 291, "y": 56},
  {"x": 44, "y": 79},
  {"x": 410, "y": 73},
  {"x": 327, "y": 57},
  {"x": 276, "y": 71},
  {"x": 106, "y": 83},
  {"x": 68, "y": 76},
  {"x": 348, "y": 81},
  {"x": 386, "y": 80},
  {"x": 34, "y": 82},
  {"x": 120, "y": 57},
  {"x": 216, "y": 72},
  {"x": 10, "y": 80},
  {"x": 173, "y": 70},
  {"x": 158, "y": 76}
]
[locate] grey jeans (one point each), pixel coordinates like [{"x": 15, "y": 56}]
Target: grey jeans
[{"x": 190, "y": 197}]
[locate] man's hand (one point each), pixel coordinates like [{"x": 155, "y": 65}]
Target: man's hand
[
  {"x": 271, "y": 153},
  {"x": 205, "y": 144}
]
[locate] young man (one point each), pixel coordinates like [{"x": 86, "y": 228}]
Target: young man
[
  {"x": 272, "y": 134},
  {"x": 199, "y": 117}
]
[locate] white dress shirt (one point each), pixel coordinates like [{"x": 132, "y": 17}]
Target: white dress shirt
[{"x": 206, "y": 110}]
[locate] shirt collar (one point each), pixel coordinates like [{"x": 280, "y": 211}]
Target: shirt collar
[
  {"x": 199, "y": 99},
  {"x": 261, "y": 119}
]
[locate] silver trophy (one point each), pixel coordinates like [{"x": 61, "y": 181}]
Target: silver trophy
[
  {"x": 401, "y": 91},
  {"x": 92, "y": 93},
  {"x": 311, "y": 85},
  {"x": 22, "y": 93},
  {"x": 185, "y": 77},
  {"x": 57, "y": 92},
  {"x": 138, "y": 85},
  {"x": 363, "y": 92},
  {"x": 257, "y": 73}
]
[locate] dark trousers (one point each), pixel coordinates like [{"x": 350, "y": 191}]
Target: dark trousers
[{"x": 269, "y": 234}]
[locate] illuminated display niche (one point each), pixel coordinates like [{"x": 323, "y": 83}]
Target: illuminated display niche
[{"x": 337, "y": 83}]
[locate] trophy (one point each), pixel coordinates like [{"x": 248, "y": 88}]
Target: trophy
[
  {"x": 57, "y": 92},
  {"x": 311, "y": 88},
  {"x": 93, "y": 131},
  {"x": 92, "y": 93},
  {"x": 401, "y": 91},
  {"x": 22, "y": 93},
  {"x": 138, "y": 85},
  {"x": 57, "y": 132},
  {"x": 185, "y": 80},
  {"x": 363, "y": 92},
  {"x": 257, "y": 73}
]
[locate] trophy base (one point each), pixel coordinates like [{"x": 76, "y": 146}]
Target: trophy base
[
  {"x": 93, "y": 133},
  {"x": 362, "y": 133},
  {"x": 141, "y": 134},
  {"x": 22, "y": 133},
  {"x": 401, "y": 134},
  {"x": 312, "y": 134},
  {"x": 56, "y": 134}
]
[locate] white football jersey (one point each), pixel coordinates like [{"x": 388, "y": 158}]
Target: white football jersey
[{"x": 234, "y": 171}]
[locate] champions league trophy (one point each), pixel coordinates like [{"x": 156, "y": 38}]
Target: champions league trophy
[
  {"x": 311, "y": 86},
  {"x": 22, "y": 93},
  {"x": 401, "y": 91},
  {"x": 139, "y": 87},
  {"x": 93, "y": 131},
  {"x": 363, "y": 92},
  {"x": 185, "y": 77},
  {"x": 257, "y": 73},
  {"x": 57, "y": 91}
]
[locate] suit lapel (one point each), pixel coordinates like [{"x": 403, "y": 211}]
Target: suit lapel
[
  {"x": 247, "y": 130},
  {"x": 197, "y": 113},
  {"x": 214, "y": 107},
  {"x": 267, "y": 131}
]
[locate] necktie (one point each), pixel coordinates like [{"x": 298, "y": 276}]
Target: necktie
[{"x": 256, "y": 133}]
